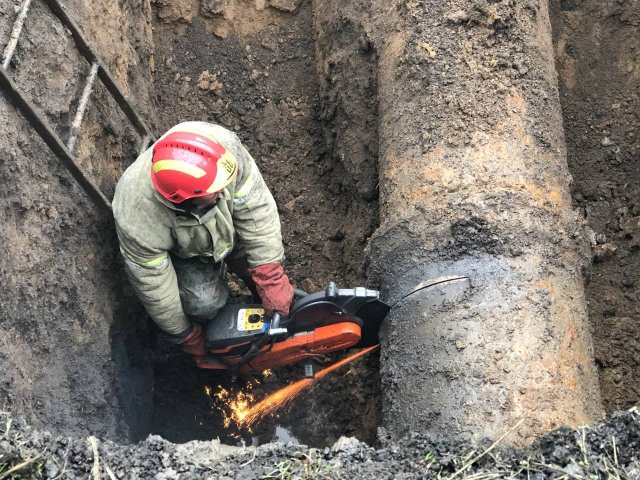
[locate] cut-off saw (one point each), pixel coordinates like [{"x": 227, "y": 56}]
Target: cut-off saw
[{"x": 242, "y": 339}]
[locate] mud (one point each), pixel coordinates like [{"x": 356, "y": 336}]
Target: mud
[{"x": 607, "y": 450}]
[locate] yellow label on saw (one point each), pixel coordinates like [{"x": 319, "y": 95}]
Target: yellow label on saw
[{"x": 250, "y": 319}]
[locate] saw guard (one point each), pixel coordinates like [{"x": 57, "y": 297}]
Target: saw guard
[{"x": 303, "y": 345}]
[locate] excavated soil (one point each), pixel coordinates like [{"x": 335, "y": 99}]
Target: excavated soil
[
  {"x": 64, "y": 308},
  {"x": 608, "y": 450}
]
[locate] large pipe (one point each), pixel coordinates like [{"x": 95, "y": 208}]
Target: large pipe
[{"x": 474, "y": 183}]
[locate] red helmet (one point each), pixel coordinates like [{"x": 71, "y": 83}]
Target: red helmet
[{"x": 187, "y": 165}]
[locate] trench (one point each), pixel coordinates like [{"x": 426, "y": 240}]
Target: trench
[
  {"x": 255, "y": 72},
  {"x": 299, "y": 85}
]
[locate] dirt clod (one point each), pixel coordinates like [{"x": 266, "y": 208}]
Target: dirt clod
[{"x": 285, "y": 5}]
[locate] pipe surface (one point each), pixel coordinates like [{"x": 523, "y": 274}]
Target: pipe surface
[{"x": 474, "y": 183}]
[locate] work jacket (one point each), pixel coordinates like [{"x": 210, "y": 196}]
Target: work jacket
[{"x": 149, "y": 227}]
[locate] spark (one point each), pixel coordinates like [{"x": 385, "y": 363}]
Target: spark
[
  {"x": 235, "y": 406},
  {"x": 284, "y": 396},
  {"x": 244, "y": 410}
]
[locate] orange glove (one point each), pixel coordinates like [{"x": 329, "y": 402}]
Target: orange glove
[
  {"x": 194, "y": 344},
  {"x": 274, "y": 287}
]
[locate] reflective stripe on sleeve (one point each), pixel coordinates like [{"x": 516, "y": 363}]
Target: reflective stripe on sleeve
[
  {"x": 155, "y": 263},
  {"x": 245, "y": 191},
  {"x": 222, "y": 252}
]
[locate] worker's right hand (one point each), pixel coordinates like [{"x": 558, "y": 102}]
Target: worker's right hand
[
  {"x": 194, "y": 343},
  {"x": 274, "y": 288}
]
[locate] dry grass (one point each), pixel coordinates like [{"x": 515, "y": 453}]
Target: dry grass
[{"x": 588, "y": 465}]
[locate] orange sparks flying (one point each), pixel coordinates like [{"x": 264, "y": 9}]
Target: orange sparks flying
[
  {"x": 243, "y": 411},
  {"x": 237, "y": 407}
]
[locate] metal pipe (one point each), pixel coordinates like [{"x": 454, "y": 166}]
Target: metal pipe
[
  {"x": 474, "y": 183},
  {"x": 82, "y": 107},
  {"x": 15, "y": 33},
  {"x": 52, "y": 140}
]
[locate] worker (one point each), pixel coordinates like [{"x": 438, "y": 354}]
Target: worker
[{"x": 192, "y": 201}]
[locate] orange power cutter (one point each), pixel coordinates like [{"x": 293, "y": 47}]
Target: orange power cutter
[{"x": 242, "y": 339}]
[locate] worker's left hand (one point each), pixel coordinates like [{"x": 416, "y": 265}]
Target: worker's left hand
[
  {"x": 274, "y": 288},
  {"x": 193, "y": 343}
]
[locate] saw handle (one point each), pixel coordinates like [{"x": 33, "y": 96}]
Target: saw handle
[
  {"x": 297, "y": 293},
  {"x": 275, "y": 330},
  {"x": 275, "y": 320}
]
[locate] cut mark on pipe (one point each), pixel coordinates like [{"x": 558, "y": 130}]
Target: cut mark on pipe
[{"x": 432, "y": 282}]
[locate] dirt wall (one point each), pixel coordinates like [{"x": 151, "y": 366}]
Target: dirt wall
[
  {"x": 597, "y": 48},
  {"x": 63, "y": 296}
]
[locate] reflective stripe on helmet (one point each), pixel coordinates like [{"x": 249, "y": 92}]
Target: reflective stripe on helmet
[
  {"x": 178, "y": 166},
  {"x": 197, "y": 128},
  {"x": 186, "y": 165}
]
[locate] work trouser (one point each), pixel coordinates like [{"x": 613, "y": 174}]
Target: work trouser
[{"x": 203, "y": 288}]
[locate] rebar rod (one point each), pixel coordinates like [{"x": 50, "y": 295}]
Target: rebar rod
[
  {"x": 15, "y": 33},
  {"x": 82, "y": 107},
  {"x": 144, "y": 144},
  {"x": 52, "y": 140},
  {"x": 103, "y": 72}
]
